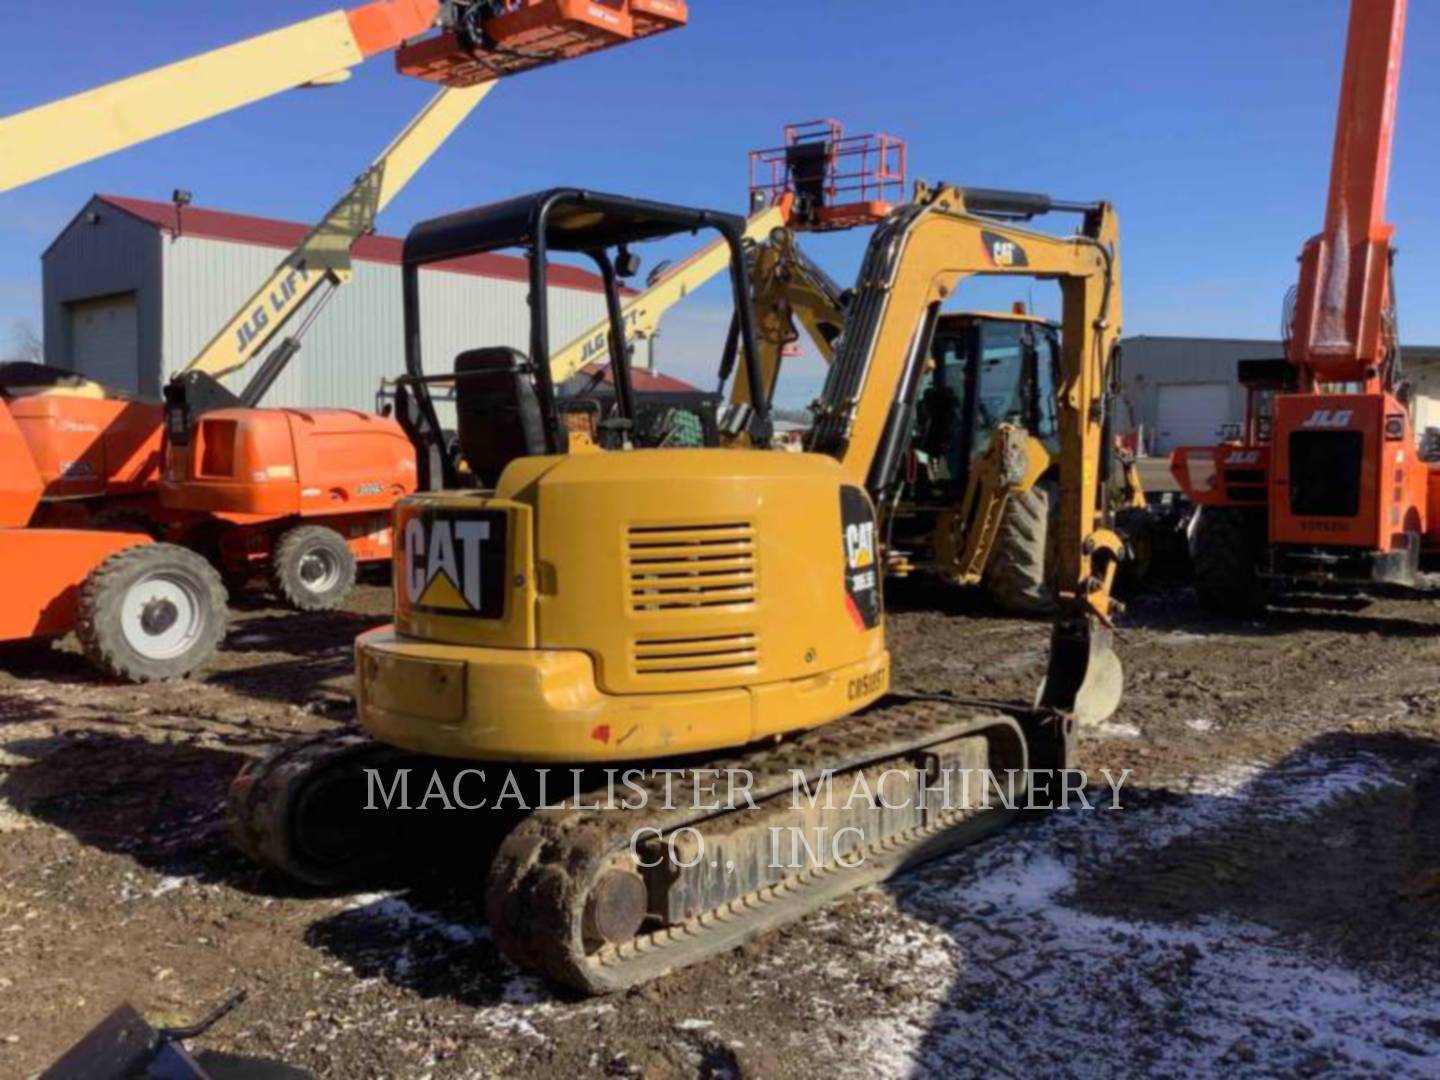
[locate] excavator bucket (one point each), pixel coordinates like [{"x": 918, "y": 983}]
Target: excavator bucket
[
  {"x": 531, "y": 33},
  {"x": 1085, "y": 678}
]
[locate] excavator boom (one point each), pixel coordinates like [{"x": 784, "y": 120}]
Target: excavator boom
[
  {"x": 912, "y": 267},
  {"x": 867, "y": 409}
]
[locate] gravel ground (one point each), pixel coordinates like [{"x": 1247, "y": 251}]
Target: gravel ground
[{"x": 1266, "y": 900}]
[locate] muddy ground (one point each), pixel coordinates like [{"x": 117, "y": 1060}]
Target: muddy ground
[{"x": 1267, "y": 901}]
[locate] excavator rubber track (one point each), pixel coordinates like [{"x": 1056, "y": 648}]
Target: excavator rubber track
[
  {"x": 566, "y": 897},
  {"x": 560, "y": 865}
]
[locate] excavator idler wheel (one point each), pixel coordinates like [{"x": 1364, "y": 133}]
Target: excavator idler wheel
[
  {"x": 153, "y": 611},
  {"x": 615, "y": 908},
  {"x": 300, "y": 811}
]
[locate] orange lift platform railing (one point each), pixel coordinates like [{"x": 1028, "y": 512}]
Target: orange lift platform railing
[
  {"x": 839, "y": 181},
  {"x": 489, "y": 40}
]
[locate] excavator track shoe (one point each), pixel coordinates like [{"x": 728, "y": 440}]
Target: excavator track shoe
[{"x": 602, "y": 899}]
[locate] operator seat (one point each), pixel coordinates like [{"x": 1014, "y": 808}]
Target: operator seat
[{"x": 498, "y": 411}]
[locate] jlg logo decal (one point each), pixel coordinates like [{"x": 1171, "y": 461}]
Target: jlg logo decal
[
  {"x": 1329, "y": 418},
  {"x": 1244, "y": 457},
  {"x": 280, "y": 300},
  {"x": 454, "y": 565}
]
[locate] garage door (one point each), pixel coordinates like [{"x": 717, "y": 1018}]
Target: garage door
[
  {"x": 1191, "y": 414},
  {"x": 105, "y": 341}
]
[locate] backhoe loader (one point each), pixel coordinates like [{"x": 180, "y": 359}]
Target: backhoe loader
[
  {"x": 698, "y": 615},
  {"x": 979, "y": 486}
]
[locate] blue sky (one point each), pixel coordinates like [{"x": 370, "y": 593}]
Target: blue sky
[{"x": 1207, "y": 123}]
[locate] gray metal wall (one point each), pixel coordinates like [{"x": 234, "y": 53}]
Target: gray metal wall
[
  {"x": 107, "y": 256},
  {"x": 1150, "y": 362},
  {"x": 358, "y": 339}
]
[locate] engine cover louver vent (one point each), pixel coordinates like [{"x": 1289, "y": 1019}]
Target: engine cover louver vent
[
  {"x": 676, "y": 567},
  {"x": 676, "y": 655}
]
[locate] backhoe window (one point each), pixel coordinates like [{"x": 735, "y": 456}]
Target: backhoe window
[
  {"x": 942, "y": 419},
  {"x": 1047, "y": 365},
  {"x": 1001, "y": 395}
]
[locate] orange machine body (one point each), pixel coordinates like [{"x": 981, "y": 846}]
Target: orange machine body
[
  {"x": 258, "y": 469},
  {"x": 90, "y": 447},
  {"x": 41, "y": 570},
  {"x": 1345, "y": 472}
]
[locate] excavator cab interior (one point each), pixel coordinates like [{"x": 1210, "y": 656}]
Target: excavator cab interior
[{"x": 507, "y": 404}]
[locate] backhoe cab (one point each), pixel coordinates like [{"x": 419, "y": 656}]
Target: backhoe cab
[{"x": 981, "y": 481}]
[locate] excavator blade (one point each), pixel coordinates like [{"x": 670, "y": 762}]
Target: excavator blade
[{"x": 1085, "y": 678}]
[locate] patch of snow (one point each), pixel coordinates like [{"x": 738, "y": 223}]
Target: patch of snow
[
  {"x": 170, "y": 884},
  {"x": 1180, "y": 637},
  {"x": 1114, "y": 729},
  {"x": 1007, "y": 970},
  {"x": 410, "y": 920},
  {"x": 1202, "y": 724},
  {"x": 11, "y": 820}
]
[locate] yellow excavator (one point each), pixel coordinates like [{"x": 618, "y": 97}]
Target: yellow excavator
[{"x": 687, "y": 618}]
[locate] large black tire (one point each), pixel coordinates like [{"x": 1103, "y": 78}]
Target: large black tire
[
  {"x": 1019, "y": 577},
  {"x": 312, "y": 568},
  {"x": 1136, "y": 526},
  {"x": 1226, "y": 550},
  {"x": 153, "y": 611}
]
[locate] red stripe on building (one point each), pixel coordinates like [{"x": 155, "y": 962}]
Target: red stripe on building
[{"x": 287, "y": 235}]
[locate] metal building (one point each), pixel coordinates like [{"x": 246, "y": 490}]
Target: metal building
[
  {"x": 1182, "y": 391},
  {"x": 134, "y": 289}
]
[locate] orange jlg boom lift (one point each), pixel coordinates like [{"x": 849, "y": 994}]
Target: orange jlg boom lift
[
  {"x": 149, "y": 610},
  {"x": 1327, "y": 485}
]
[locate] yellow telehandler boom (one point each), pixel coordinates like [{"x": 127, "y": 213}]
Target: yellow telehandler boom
[
  {"x": 51, "y": 138},
  {"x": 322, "y": 259},
  {"x": 642, "y": 313}
]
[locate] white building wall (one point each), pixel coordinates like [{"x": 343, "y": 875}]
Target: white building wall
[{"x": 359, "y": 338}]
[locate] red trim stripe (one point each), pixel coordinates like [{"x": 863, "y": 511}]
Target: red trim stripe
[{"x": 286, "y": 235}]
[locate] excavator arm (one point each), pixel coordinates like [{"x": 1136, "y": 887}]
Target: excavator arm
[
  {"x": 788, "y": 289},
  {"x": 58, "y": 136},
  {"x": 913, "y": 265}
]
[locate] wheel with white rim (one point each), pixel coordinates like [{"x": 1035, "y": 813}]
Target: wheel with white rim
[
  {"x": 312, "y": 568},
  {"x": 153, "y": 611}
]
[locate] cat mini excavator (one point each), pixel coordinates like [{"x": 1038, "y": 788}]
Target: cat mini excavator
[{"x": 690, "y": 614}]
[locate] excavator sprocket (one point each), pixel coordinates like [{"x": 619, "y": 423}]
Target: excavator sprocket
[{"x": 567, "y": 897}]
